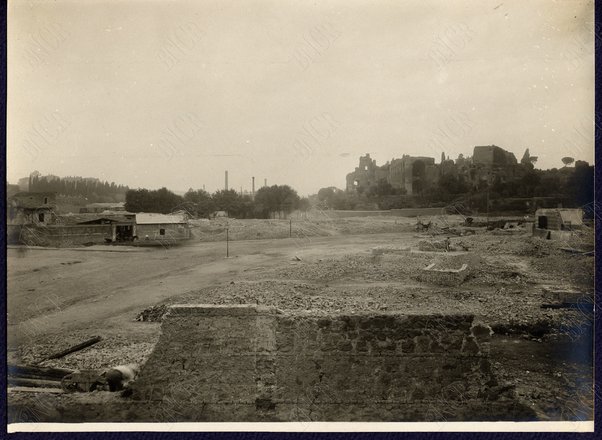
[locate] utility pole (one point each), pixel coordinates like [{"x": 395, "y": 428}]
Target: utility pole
[
  {"x": 227, "y": 243},
  {"x": 290, "y": 228},
  {"x": 488, "y": 204},
  {"x": 488, "y": 184}
]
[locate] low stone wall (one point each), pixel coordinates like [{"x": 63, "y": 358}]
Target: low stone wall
[
  {"x": 541, "y": 233},
  {"x": 549, "y": 234},
  {"x": 381, "y": 250},
  {"x": 434, "y": 245},
  {"x": 65, "y": 235},
  {"x": 245, "y": 363},
  {"x": 443, "y": 277},
  {"x": 561, "y": 235}
]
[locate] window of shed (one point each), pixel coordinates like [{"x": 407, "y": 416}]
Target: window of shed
[{"x": 161, "y": 231}]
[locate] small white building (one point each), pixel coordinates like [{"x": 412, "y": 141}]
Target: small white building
[
  {"x": 161, "y": 228},
  {"x": 557, "y": 224}
]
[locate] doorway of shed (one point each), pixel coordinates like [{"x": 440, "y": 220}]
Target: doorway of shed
[{"x": 124, "y": 233}]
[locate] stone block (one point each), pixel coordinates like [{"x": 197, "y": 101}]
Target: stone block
[{"x": 444, "y": 277}]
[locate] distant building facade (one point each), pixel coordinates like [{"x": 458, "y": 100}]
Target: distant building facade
[{"x": 413, "y": 174}]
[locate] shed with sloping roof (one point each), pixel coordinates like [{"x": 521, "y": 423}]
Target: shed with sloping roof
[
  {"x": 152, "y": 228},
  {"x": 558, "y": 219}
]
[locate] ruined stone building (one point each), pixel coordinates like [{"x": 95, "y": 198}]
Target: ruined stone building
[
  {"x": 409, "y": 173},
  {"x": 414, "y": 174},
  {"x": 492, "y": 162},
  {"x": 30, "y": 208}
]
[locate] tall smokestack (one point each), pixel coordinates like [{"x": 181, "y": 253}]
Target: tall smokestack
[
  {"x": 226, "y": 180},
  {"x": 265, "y": 182},
  {"x": 253, "y": 186}
]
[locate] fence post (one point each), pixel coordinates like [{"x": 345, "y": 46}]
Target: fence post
[{"x": 290, "y": 228}]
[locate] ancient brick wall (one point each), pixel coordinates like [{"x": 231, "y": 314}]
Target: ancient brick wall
[{"x": 241, "y": 363}]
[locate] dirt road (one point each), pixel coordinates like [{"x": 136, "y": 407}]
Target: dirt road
[{"x": 63, "y": 290}]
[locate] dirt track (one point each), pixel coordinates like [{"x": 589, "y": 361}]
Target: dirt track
[{"x": 73, "y": 289}]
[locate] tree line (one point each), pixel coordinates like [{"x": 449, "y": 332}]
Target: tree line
[
  {"x": 93, "y": 190},
  {"x": 276, "y": 201}
]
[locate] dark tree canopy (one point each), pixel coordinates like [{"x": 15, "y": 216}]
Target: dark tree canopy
[
  {"x": 199, "y": 203},
  {"x": 162, "y": 201},
  {"x": 92, "y": 189},
  {"x": 276, "y": 200},
  {"x": 567, "y": 161}
]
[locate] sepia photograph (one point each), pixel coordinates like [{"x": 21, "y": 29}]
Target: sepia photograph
[{"x": 291, "y": 215}]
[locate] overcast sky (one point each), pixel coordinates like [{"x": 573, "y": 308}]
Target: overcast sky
[{"x": 172, "y": 93}]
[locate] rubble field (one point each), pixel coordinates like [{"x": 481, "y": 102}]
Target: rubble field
[
  {"x": 300, "y": 228},
  {"x": 544, "y": 352}
]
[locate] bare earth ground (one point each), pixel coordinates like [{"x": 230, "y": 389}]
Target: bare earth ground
[{"x": 60, "y": 297}]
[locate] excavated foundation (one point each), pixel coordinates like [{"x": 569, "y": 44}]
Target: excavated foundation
[{"x": 246, "y": 363}]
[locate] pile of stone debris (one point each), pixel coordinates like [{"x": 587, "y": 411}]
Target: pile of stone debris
[{"x": 152, "y": 314}]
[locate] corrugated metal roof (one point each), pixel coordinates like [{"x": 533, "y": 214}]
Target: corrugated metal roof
[
  {"x": 104, "y": 220},
  {"x": 85, "y": 218},
  {"x": 149, "y": 219}
]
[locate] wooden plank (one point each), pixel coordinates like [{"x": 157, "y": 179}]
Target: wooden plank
[
  {"x": 75, "y": 348},
  {"x": 35, "y": 372},
  {"x": 35, "y": 383},
  {"x": 19, "y": 389}
]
